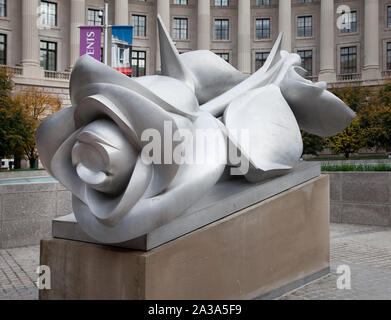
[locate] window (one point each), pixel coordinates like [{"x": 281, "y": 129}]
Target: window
[
  {"x": 304, "y": 1},
  {"x": 262, "y": 2},
  {"x": 48, "y": 55},
  {"x": 388, "y": 55},
  {"x": 221, "y": 3},
  {"x": 139, "y": 25},
  {"x": 260, "y": 59},
  {"x": 222, "y": 29},
  {"x": 180, "y": 28},
  {"x": 3, "y": 8},
  {"x": 349, "y": 22},
  {"x": 304, "y": 26},
  {"x": 224, "y": 56},
  {"x": 3, "y": 49},
  {"x": 139, "y": 62},
  {"x": 348, "y": 60},
  {"x": 95, "y": 17},
  {"x": 389, "y": 16},
  {"x": 306, "y": 60},
  {"x": 262, "y": 28},
  {"x": 181, "y": 2},
  {"x": 48, "y": 13}
]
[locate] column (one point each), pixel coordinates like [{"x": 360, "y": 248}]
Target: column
[
  {"x": 203, "y": 30},
  {"x": 163, "y": 8},
  {"x": 371, "y": 69},
  {"x": 244, "y": 36},
  {"x": 78, "y": 12},
  {"x": 285, "y": 23},
  {"x": 327, "y": 42},
  {"x": 30, "y": 39},
  {"x": 121, "y": 12}
]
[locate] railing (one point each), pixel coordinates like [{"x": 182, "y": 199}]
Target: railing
[
  {"x": 349, "y": 77},
  {"x": 312, "y": 78},
  {"x": 16, "y": 71},
  {"x": 57, "y": 75},
  {"x": 386, "y": 74}
]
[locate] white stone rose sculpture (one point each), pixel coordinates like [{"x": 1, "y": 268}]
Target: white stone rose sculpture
[
  {"x": 95, "y": 150},
  {"x": 98, "y": 148}
]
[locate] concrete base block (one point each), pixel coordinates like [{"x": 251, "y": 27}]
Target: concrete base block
[
  {"x": 262, "y": 251},
  {"x": 225, "y": 198}
]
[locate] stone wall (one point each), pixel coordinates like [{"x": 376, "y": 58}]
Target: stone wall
[
  {"x": 361, "y": 198},
  {"x": 60, "y": 92},
  {"x": 27, "y": 211}
]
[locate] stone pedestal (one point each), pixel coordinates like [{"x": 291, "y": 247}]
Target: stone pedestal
[{"x": 262, "y": 251}]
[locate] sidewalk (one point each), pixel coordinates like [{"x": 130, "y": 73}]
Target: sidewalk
[
  {"x": 17, "y": 273},
  {"x": 366, "y": 250}
]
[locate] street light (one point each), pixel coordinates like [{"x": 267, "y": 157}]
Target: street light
[{"x": 106, "y": 28}]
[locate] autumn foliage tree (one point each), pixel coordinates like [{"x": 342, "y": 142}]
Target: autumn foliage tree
[
  {"x": 20, "y": 116},
  {"x": 354, "y": 137},
  {"x": 312, "y": 144},
  {"x": 36, "y": 106},
  {"x": 350, "y": 140},
  {"x": 14, "y": 127},
  {"x": 376, "y": 118}
]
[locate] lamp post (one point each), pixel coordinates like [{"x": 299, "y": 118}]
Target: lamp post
[{"x": 106, "y": 34}]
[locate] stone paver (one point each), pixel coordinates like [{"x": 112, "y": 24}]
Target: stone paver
[
  {"x": 17, "y": 273},
  {"x": 365, "y": 249}
]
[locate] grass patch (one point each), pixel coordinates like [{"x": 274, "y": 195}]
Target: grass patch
[
  {"x": 347, "y": 159},
  {"x": 19, "y": 170},
  {"x": 357, "y": 167}
]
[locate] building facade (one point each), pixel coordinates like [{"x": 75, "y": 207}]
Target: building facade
[{"x": 341, "y": 42}]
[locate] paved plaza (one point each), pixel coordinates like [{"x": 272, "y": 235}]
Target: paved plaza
[{"x": 365, "y": 249}]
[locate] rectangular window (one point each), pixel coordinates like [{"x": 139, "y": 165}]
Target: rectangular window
[
  {"x": 221, "y": 3},
  {"x": 221, "y": 29},
  {"x": 3, "y": 49},
  {"x": 306, "y": 60},
  {"x": 388, "y": 55},
  {"x": 48, "y": 55},
  {"x": 389, "y": 16},
  {"x": 139, "y": 25},
  {"x": 262, "y": 28},
  {"x": 305, "y": 1},
  {"x": 304, "y": 26},
  {"x": 180, "y": 28},
  {"x": 349, "y": 22},
  {"x": 349, "y": 60},
  {"x": 95, "y": 17},
  {"x": 262, "y": 2},
  {"x": 3, "y": 8},
  {"x": 139, "y": 62},
  {"x": 181, "y": 2},
  {"x": 224, "y": 56},
  {"x": 260, "y": 59},
  {"x": 48, "y": 13}
]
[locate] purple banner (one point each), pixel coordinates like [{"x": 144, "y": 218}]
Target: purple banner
[{"x": 90, "y": 41}]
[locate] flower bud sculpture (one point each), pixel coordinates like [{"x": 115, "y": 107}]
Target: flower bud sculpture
[{"x": 100, "y": 147}]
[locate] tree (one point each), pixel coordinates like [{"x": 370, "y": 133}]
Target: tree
[
  {"x": 356, "y": 97},
  {"x": 312, "y": 144},
  {"x": 36, "y": 106},
  {"x": 351, "y": 140},
  {"x": 376, "y": 118},
  {"x": 13, "y": 123}
]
